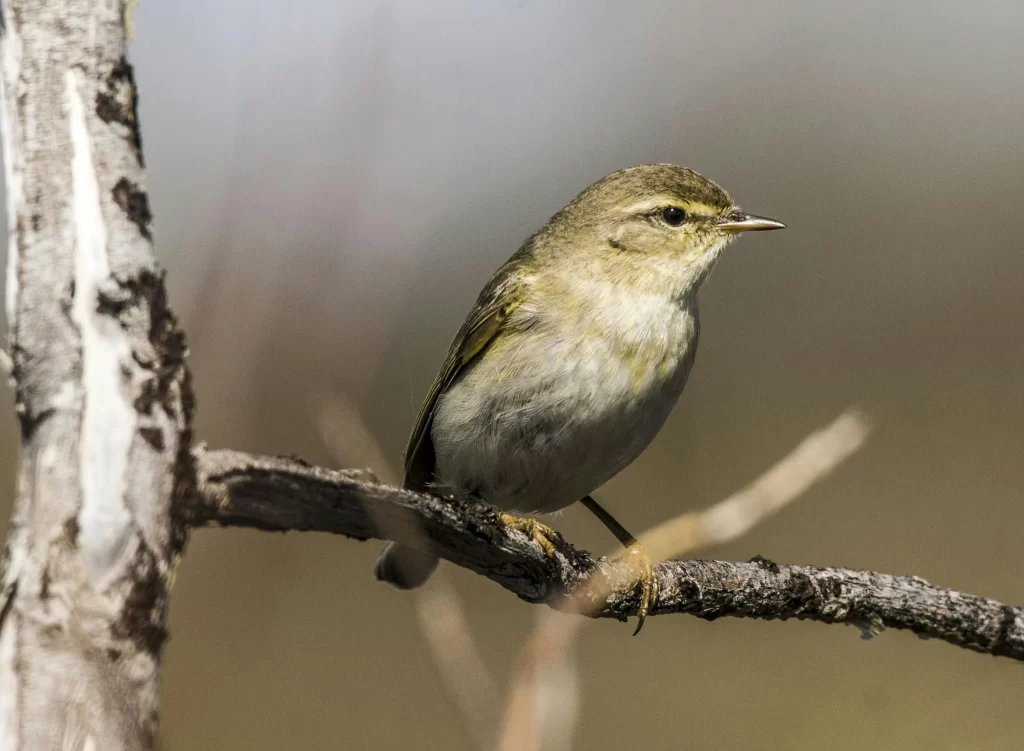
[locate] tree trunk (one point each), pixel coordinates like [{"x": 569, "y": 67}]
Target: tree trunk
[{"x": 102, "y": 392}]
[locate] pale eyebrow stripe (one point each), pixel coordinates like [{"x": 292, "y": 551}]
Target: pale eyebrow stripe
[{"x": 658, "y": 202}]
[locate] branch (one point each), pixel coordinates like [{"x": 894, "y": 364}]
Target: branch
[
  {"x": 283, "y": 494},
  {"x": 534, "y": 711}
]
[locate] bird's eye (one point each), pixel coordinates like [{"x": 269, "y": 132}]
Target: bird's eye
[{"x": 673, "y": 215}]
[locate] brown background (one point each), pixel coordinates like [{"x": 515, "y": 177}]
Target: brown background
[{"x": 333, "y": 182}]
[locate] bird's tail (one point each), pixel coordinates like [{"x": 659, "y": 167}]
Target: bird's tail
[{"x": 404, "y": 567}]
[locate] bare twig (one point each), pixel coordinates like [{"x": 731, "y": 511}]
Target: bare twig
[
  {"x": 458, "y": 659},
  {"x": 535, "y": 715},
  {"x": 344, "y": 432},
  {"x": 816, "y": 457},
  {"x": 546, "y": 660},
  {"x": 438, "y": 605},
  {"x": 281, "y": 494}
]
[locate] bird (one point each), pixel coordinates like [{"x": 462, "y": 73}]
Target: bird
[{"x": 572, "y": 358}]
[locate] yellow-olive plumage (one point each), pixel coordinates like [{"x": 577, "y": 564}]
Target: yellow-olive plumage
[{"x": 575, "y": 351}]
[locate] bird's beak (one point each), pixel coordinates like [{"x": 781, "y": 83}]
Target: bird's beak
[{"x": 737, "y": 222}]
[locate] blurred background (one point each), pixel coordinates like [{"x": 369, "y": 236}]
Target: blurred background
[{"x": 334, "y": 181}]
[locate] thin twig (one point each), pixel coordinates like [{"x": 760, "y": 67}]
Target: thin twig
[
  {"x": 458, "y": 659},
  {"x": 344, "y": 431},
  {"x": 811, "y": 461},
  {"x": 545, "y": 659},
  {"x": 535, "y": 714}
]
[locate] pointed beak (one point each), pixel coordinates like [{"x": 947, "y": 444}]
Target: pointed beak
[{"x": 737, "y": 222}]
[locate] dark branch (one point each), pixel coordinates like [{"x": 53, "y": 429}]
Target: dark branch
[{"x": 282, "y": 494}]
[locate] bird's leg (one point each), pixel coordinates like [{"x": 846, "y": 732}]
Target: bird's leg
[
  {"x": 640, "y": 564},
  {"x": 621, "y": 533},
  {"x": 540, "y": 533}
]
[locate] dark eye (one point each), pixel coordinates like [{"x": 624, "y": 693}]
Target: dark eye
[{"x": 673, "y": 215}]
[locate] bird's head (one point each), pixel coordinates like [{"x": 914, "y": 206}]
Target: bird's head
[{"x": 648, "y": 218}]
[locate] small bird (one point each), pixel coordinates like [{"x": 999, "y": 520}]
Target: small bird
[{"x": 572, "y": 358}]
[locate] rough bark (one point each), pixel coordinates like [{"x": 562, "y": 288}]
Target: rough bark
[
  {"x": 101, "y": 390},
  {"x": 281, "y": 494}
]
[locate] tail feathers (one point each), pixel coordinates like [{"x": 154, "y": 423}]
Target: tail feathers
[{"x": 404, "y": 567}]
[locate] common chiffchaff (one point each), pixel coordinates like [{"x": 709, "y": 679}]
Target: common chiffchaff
[{"x": 573, "y": 356}]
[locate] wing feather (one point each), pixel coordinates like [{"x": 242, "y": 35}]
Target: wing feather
[{"x": 496, "y": 302}]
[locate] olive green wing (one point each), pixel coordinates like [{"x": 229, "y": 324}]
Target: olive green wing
[{"x": 497, "y": 301}]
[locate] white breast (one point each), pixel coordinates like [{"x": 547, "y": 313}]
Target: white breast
[{"x": 552, "y": 413}]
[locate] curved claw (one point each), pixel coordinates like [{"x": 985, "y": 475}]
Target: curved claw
[
  {"x": 539, "y": 532},
  {"x": 642, "y": 568}
]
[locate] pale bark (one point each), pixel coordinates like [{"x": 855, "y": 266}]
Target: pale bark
[{"x": 101, "y": 389}]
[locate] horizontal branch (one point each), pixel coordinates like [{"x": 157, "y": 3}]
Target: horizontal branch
[{"x": 283, "y": 494}]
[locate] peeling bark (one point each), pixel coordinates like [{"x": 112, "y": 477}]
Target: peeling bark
[{"x": 102, "y": 393}]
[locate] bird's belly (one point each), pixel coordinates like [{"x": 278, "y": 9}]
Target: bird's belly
[{"x": 565, "y": 419}]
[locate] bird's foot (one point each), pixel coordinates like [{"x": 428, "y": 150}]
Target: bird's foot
[
  {"x": 641, "y": 569},
  {"x": 540, "y": 533}
]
